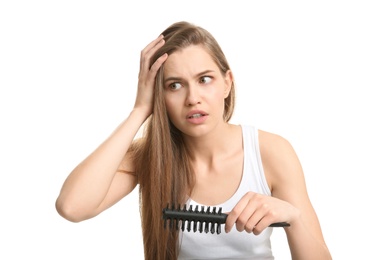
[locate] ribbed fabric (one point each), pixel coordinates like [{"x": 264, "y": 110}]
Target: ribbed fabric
[{"x": 235, "y": 244}]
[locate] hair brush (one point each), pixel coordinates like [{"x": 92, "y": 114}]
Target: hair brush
[{"x": 204, "y": 220}]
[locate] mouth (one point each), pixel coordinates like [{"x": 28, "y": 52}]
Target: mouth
[{"x": 198, "y": 115}]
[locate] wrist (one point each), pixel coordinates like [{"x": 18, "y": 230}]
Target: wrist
[{"x": 141, "y": 113}]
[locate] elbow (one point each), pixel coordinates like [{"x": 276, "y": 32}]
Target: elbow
[{"x": 68, "y": 211}]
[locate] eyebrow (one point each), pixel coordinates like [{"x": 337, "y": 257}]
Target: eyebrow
[{"x": 197, "y": 75}]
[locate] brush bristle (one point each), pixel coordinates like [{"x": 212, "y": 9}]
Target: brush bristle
[{"x": 202, "y": 220}]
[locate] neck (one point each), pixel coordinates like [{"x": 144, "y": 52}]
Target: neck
[{"x": 218, "y": 141}]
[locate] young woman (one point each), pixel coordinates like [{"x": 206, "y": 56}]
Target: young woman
[{"x": 191, "y": 154}]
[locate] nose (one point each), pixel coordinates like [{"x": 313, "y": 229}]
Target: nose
[{"x": 193, "y": 95}]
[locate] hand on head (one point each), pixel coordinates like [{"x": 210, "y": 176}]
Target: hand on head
[{"x": 147, "y": 75}]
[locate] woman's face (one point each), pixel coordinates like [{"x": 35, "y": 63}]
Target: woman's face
[{"x": 194, "y": 90}]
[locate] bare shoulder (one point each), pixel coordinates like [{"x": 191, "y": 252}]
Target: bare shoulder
[
  {"x": 280, "y": 161},
  {"x": 274, "y": 146}
]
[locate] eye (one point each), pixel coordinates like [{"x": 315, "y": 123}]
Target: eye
[
  {"x": 205, "y": 79},
  {"x": 174, "y": 86}
]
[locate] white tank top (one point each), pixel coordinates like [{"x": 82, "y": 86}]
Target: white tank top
[{"x": 235, "y": 244}]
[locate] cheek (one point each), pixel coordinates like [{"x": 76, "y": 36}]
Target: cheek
[{"x": 219, "y": 97}]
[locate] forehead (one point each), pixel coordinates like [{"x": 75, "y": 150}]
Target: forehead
[{"x": 190, "y": 60}]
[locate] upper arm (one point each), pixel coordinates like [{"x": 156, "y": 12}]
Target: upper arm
[
  {"x": 124, "y": 182},
  {"x": 281, "y": 166},
  {"x": 285, "y": 176}
]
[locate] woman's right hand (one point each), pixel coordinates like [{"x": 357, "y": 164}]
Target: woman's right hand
[{"x": 147, "y": 74}]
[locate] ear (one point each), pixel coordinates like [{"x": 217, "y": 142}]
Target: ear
[{"x": 228, "y": 80}]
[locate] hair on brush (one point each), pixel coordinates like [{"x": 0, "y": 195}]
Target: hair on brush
[{"x": 203, "y": 220}]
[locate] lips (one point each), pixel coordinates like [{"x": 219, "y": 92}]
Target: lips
[{"x": 196, "y": 114}]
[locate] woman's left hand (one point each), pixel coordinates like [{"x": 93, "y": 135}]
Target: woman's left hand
[{"x": 255, "y": 212}]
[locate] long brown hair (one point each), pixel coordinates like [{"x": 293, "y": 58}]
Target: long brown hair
[{"x": 161, "y": 160}]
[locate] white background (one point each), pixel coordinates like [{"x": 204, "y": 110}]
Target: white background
[{"x": 307, "y": 70}]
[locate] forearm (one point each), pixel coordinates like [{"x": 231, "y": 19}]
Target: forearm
[
  {"x": 304, "y": 245},
  {"x": 88, "y": 184}
]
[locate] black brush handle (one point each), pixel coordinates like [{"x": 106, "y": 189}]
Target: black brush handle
[{"x": 203, "y": 220}]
